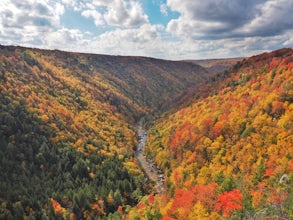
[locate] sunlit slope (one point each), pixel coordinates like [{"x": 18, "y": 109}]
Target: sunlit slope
[
  {"x": 135, "y": 84},
  {"x": 227, "y": 152}
]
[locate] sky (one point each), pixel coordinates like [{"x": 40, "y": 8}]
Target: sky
[{"x": 166, "y": 29}]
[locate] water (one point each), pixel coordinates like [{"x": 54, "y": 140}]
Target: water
[{"x": 151, "y": 170}]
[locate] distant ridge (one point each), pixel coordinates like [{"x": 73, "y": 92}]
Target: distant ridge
[{"x": 217, "y": 65}]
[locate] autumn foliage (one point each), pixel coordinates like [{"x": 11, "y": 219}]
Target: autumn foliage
[
  {"x": 67, "y": 137},
  {"x": 235, "y": 140},
  {"x": 228, "y": 202}
]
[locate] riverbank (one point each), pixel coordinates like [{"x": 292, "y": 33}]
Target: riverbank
[{"x": 152, "y": 172}]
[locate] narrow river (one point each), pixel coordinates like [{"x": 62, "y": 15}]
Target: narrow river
[{"x": 152, "y": 172}]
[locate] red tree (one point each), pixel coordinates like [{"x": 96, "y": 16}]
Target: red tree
[{"x": 228, "y": 202}]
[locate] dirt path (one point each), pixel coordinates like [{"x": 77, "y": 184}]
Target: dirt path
[{"x": 152, "y": 172}]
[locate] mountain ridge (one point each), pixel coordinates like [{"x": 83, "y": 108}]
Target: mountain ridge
[
  {"x": 165, "y": 74},
  {"x": 217, "y": 65}
]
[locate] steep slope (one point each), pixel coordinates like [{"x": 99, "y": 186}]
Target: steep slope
[
  {"x": 217, "y": 65},
  {"x": 138, "y": 84},
  {"x": 230, "y": 153},
  {"x": 67, "y": 129}
]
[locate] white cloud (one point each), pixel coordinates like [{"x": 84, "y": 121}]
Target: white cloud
[
  {"x": 274, "y": 17},
  {"x": 210, "y": 28},
  {"x": 126, "y": 41},
  {"x": 69, "y": 2},
  {"x": 98, "y": 18},
  {"x": 26, "y": 21},
  {"x": 289, "y": 41},
  {"x": 164, "y": 9},
  {"x": 224, "y": 19},
  {"x": 66, "y": 39},
  {"x": 120, "y": 13},
  {"x": 209, "y": 18},
  {"x": 76, "y": 5},
  {"x": 224, "y": 28}
]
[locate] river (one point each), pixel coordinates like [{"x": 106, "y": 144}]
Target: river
[{"x": 150, "y": 168}]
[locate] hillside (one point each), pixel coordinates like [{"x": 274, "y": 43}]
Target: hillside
[
  {"x": 67, "y": 129},
  {"x": 229, "y": 154},
  {"x": 68, "y": 137},
  {"x": 217, "y": 65}
]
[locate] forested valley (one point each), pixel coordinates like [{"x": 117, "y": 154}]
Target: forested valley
[
  {"x": 68, "y": 129},
  {"x": 68, "y": 137}
]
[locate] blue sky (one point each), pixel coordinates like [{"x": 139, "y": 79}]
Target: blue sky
[
  {"x": 156, "y": 12},
  {"x": 168, "y": 29}
]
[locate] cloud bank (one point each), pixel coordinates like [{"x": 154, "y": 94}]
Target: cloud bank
[
  {"x": 220, "y": 19},
  {"x": 202, "y": 29}
]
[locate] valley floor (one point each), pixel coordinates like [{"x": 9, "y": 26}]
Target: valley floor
[{"x": 151, "y": 171}]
